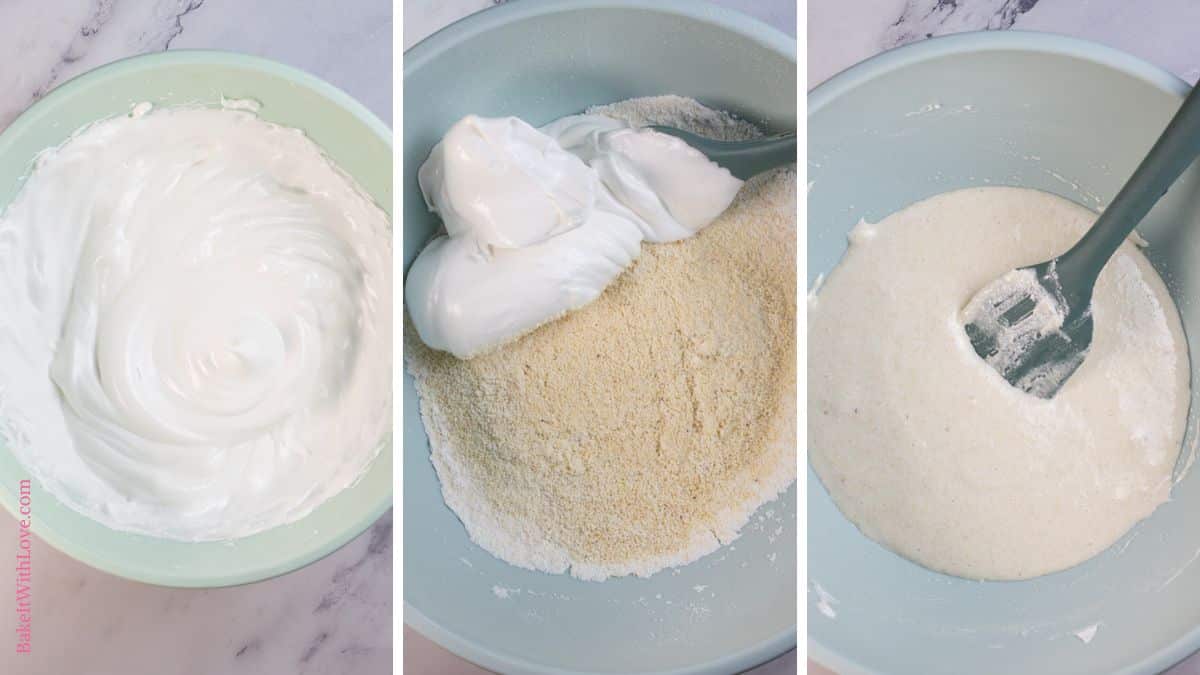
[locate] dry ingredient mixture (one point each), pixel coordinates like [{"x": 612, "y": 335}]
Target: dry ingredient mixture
[{"x": 642, "y": 430}]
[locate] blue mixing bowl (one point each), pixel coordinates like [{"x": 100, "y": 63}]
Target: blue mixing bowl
[
  {"x": 1027, "y": 110},
  {"x": 539, "y": 61}
]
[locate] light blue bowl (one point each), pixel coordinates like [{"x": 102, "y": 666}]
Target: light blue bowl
[
  {"x": 541, "y": 60},
  {"x": 1037, "y": 111}
]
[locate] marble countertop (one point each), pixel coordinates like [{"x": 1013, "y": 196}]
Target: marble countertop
[
  {"x": 841, "y": 34},
  {"x": 422, "y": 18},
  {"x": 330, "y": 618}
]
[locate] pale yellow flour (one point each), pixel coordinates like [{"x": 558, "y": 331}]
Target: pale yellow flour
[{"x": 642, "y": 430}]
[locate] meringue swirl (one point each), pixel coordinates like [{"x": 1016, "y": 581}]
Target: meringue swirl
[{"x": 201, "y": 337}]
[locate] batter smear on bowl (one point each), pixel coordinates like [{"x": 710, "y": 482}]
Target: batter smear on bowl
[{"x": 641, "y": 430}]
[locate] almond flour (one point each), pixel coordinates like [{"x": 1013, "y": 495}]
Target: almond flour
[{"x": 644, "y": 429}]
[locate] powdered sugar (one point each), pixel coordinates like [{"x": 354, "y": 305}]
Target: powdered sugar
[{"x": 681, "y": 113}]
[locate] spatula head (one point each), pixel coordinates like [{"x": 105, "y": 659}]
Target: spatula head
[{"x": 1022, "y": 326}]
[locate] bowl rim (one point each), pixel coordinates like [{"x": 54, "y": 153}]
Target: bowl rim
[
  {"x": 886, "y": 62},
  {"x": 464, "y": 29},
  {"x": 494, "y": 17},
  {"x": 201, "y": 57}
]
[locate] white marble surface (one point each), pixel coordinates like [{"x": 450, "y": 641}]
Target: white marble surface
[
  {"x": 1163, "y": 32},
  {"x": 331, "y": 618},
  {"x": 421, "y": 18},
  {"x": 841, "y": 34}
]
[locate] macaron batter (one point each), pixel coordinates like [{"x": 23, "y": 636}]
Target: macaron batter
[
  {"x": 197, "y": 324},
  {"x": 929, "y": 451}
]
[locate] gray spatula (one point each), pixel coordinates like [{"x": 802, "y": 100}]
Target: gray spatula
[
  {"x": 744, "y": 159},
  {"x": 1034, "y": 325}
]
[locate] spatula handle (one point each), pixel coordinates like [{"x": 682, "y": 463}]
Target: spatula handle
[
  {"x": 744, "y": 159},
  {"x": 1174, "y": 151}
]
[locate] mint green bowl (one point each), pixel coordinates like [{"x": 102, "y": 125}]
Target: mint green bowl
[{"x": 358, "y": 142}]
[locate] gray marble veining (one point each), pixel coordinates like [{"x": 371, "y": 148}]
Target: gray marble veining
[
  {"x": 925, "y": 18},
  {"x": 842, "y": 34},
  {"x": 43, "y": 44}
]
